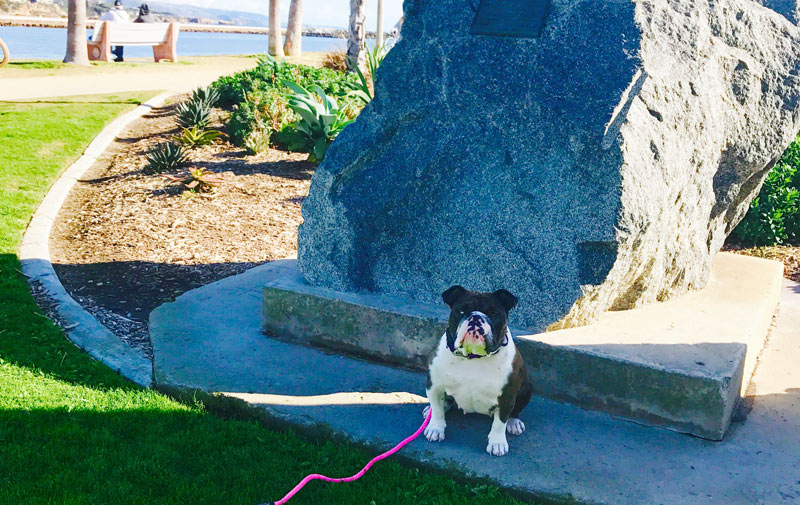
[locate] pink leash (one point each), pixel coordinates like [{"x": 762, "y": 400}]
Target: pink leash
[{"x": 316, "y": 476}]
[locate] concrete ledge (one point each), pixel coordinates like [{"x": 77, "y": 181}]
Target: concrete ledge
[
  {"x": 679, "y": 364},
  {"x": 80, "y": 326}
]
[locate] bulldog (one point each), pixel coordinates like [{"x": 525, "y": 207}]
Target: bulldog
[{"x": 477, "y": 367}]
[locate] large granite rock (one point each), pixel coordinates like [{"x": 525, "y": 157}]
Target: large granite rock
[
  {"x": 597, "y": 166},
  {"x": 789, "y": 8}
]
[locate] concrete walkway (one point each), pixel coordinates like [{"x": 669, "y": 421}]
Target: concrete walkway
[
  {"x": 567, "y": 453},
  {"x": 26, "y": 84}
]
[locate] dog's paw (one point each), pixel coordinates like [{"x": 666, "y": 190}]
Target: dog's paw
[
  {"x": 434, "y": 432},
  {"x": 515, "y": 426},
  {"x": 426, "y": 410},
  {"x": 498, "y": 446}
]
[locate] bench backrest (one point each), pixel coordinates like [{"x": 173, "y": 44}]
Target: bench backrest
[{"x": 133, "y": 34}]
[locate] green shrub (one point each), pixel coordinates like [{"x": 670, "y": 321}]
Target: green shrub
[
  {"x": 321, "y": 120},
  {"x": 774, "y": 215},
  {"x": 242, "y": 122},
  {"x": 261, "y": 111},
  {"x": 165, "y": 157},
  {"x": 269, "y": 75}
]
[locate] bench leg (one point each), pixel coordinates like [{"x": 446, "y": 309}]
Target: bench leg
[
  {"x": 98, "y": 52},
  {"x": 169, "y": 49}
]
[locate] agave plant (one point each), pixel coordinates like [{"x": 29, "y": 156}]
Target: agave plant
[
  {"x": 209, "y": 96},
  {"x": 165, "y": 157},
  {"x": 198, "y": 180},
  {"x": 321, "y": 120},
  {"x": 196, "y": 137},
  {"x": 193, "y": 114},
  {"x": 362, "y": 90}
]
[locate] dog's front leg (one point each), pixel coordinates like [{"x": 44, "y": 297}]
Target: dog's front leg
[
  {"x": 434, "y": 432},
  {"x": 498, "y": 444}
]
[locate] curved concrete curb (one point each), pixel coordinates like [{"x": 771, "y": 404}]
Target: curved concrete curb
[{"x": 34, "y": 254}]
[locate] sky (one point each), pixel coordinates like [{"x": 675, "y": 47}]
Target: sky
[{"x": 315, "y": 12}]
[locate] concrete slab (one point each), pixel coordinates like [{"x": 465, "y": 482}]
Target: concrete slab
[
  {"x": 677, "y": 364},
  {"x": 566, "y": 454}
]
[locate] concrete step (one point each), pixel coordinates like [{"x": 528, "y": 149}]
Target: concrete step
[{"x": 678, "y": 364}]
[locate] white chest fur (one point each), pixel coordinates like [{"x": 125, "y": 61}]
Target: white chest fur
[{"x": 475, "y": 384}]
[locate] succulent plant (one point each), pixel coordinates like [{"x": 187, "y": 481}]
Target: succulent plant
[
  {"x": 257, "y": 141},
  {"x": 209, "y": 96},
  {"x": 196, "y": 137},
  {"x": 165, "y": 157},
  {"x": 193, "y": 113},
  {"x": 199, "y": 180}
]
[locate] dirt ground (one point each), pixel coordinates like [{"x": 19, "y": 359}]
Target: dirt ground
[{"x": 126, "y": 242}]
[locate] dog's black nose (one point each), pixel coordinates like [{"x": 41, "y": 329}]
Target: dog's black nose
[{"x": 475, "y": 323}]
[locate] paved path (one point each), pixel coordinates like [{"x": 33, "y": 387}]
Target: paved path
[
  {"x": 25, "y": 84},
  {"x": 566, "y": 452}
]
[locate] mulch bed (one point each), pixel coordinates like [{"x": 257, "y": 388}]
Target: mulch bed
[{"x": 126, "y": 242}]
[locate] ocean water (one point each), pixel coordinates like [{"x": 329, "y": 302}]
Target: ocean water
[{"x": 50, "y": 43}]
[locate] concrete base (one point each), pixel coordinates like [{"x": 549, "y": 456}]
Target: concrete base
[
  {"x": 678, "y": 364},
  {"x": 567, "y": 453}
]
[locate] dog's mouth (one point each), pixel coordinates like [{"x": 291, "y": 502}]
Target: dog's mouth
[{"x": 472, "y": 336}]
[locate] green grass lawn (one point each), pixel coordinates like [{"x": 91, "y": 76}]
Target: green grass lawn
[{"x": 73, "y": 432}]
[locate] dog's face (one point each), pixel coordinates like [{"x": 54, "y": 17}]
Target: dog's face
[{"x": 478, "y": 321}]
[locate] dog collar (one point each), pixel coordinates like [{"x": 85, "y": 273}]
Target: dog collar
[{"x": 506, "y": 339}]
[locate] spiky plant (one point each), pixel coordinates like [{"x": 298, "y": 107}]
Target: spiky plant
[
  {"x": 165, "y": 157},
  {"x": 209, "y": 96},
  {"x": 193, "y": 113},
  {"x": 196, "y": 137},
  {"x": 198, "y": 180}
]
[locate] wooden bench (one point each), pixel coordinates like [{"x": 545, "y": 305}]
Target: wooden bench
[{"x": 162, "y": 36}]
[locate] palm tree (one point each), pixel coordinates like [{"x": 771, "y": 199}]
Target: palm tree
[
  {"x": 76, "y": 33},
  {"x": 275, "y": 47},
  {"x": 6, "y": 54},
  {"x": 356, "y": 38},
  {"x": 294, "y": 32},
  {"x": 379, "y": 34}
]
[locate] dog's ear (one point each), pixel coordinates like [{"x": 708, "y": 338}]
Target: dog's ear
[
  {"x": 452, "y": 295},
  {"x": 506, "y": 299}
]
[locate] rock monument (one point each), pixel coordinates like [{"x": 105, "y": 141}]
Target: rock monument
[
  {"x": 586, "y": 155},
  {"x": 789, "y": 8}
]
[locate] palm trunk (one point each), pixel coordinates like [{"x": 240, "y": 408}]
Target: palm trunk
[
  {"x": 356, "y": 39},
  {"x": 294, "y": 32},
  {"x": 76, "y": 33},
  {"x": 379, "y": 34},
  {"x": 275, "y": 46}
]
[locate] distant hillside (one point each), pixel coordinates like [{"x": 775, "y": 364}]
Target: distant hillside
[
  {"x": 167, "y": 11},
  {"x": 217, "y": 15}
]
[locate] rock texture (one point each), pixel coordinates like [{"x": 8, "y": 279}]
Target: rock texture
[
  {"x": 789, "y": 8},
  {"x": 599, "y": 166}
]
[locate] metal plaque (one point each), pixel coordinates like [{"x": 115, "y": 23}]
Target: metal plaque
[{"x": 510, "y": 18}]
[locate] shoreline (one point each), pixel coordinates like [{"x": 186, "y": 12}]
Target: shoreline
[{"x": 310, "y": 31}]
